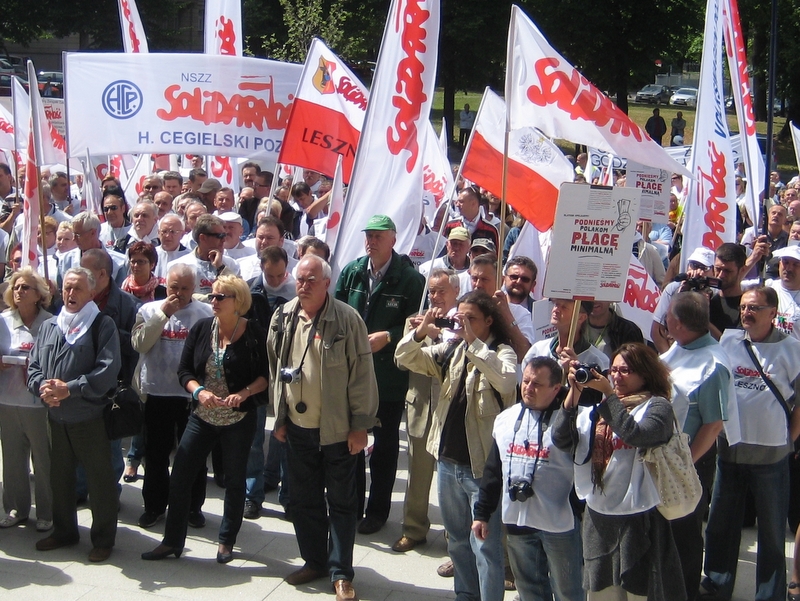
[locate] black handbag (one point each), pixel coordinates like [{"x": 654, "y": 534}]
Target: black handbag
[{"x": 124, "y": 414}]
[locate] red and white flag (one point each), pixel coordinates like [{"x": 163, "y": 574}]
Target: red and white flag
[
  {"x": 641, "y": 297},
  {"x": 545, "y": 91},
  {"x": 437, "y": 174},
  {"x": 133, "y": 38},
  {"x": 223, "y": 27},
  {"x": 31, "y": 208},
  {"x": 21, "y": 107},
  {"x": 387, "y": 177},
  {"x": 710, "y": 213},
  {"x": 331, "y": 231},
  {"x": 327, "y": 114},
  {"x": 223, "y": 169},
  {"x": 51, "y": 147},
  {"x": 740, "y": 81},
  {"x": 535, "y": 245},
  {"x": 133, "y": 180},
  {"x": 536, "y": 167},
  {"x": 7, "y": 140}
]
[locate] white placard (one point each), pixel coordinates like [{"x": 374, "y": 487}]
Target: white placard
[
  {"x": 592, "y": 241},
  {"x": 540, "y": 315},
  {"x": 178, "y": 103},
  {"x": 655, "y": 186}
]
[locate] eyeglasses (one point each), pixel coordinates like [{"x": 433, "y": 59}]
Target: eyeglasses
[
  {"x": 218, "y": 236},
  {"x": 219, "y": 297},
  {"x": 522, "y": 278},
  {"x": 620, "y": 370},
  {"x": 22, "y": 287},
  {"x": 168, "y": 232},
  {"x": 110, "y": 208},
  {"x": 752, "y": 308},
  {"x": 139, "y": 261},
  {"x": 303, "y": 281},
  {"x": 695, "y": 265}
]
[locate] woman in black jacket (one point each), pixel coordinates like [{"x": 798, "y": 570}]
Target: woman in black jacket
[{"x": 224, "y": 367}]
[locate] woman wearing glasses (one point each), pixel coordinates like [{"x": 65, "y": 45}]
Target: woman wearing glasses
[
  {"x": 23, "y": 418},
  {"x": 142, "y": 281},
  {"x": 224, "y": 367},
  {"x": 628, "y": 549}
]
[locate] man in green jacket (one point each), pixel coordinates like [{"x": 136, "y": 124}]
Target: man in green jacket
[{"x": 385, "y": 289}]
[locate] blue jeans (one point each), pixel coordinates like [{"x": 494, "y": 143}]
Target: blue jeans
[
  {"x": 479, "y": 565},
  {"x": 533, "y": 554},
  {"x": 770, "y": 487},
  {"x": 255, "y": 461},
  {"x": 325, "y": 533},
  {"x": 198, "y": 439}
]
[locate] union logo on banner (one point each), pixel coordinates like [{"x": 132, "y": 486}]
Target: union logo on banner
[{"x": 323, "y": 77}]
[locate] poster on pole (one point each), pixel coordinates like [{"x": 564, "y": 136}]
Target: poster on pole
[
  {"x": 655, "y": 185},
  {"x": 592, "y": 241}
]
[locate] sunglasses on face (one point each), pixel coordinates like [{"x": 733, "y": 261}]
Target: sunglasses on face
[{"x": 219, "y": 297}]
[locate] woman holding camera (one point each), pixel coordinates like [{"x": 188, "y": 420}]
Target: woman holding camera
[
  {"x": 628, "y": 548},
  {"x": 224, "y": 367},
  {"x": 478, "y": 375}
]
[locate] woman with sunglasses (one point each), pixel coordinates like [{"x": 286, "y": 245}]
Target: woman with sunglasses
[
  {"x": 224, "y": 367},
  {"x": 628, "y": 549},
  {"x": 23, "y": 417}
]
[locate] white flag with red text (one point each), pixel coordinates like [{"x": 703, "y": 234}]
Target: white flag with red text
[
  {"x": 536, "y": 167},
  {"x": 223, "y": 27},
  {"x": 535, "y": 245},
  {"x": 740, "y": 81},
  {"x": 336, "y": 206},
  {"x": 327, "y": 114},
  {"x": 51, "y": 147},
  {"x": 641, "y": 297},
  {"x": 545, "y": 91},
  {"x": 21, "y": 107},
  {"x": 387, "y": 177},
  {"x": 133, "y": 180},
  {"x": 6, "y": 129},
  {"x": 133, "y": 38},
  {"x": 710, "y": 212},
  {"x": 437, "y": 174},
  {"x": 222, "y": 168},
  {"x": 31, "y": 207}
]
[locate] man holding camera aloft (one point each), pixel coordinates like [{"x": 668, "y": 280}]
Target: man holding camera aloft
[{"x": 534, "y": 479}]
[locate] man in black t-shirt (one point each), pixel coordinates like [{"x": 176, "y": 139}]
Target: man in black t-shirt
[{"x": 729, "y": 267}]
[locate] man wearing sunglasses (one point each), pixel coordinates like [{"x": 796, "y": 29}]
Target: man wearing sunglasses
[
  {"x": 208, "y": 258},
  {"x": 115, "y": 211},
  {"x": 520, "y": 280}
]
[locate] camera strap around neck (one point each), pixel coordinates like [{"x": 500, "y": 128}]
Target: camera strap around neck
[{"x": 311, "y": 333}]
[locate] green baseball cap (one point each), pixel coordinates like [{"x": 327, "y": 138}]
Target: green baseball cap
[{"x": 378, "y": 223}]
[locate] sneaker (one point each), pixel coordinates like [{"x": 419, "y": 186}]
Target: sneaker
[
  {"x": 149, "y": 518},
  {"x": 252, "y": 510},
  {"x": 197, "y": 519},
  {"x": 43, "y": 525},
  {"x": 12, "y": 519}
]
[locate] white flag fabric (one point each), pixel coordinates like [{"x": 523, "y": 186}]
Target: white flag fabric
[
  {"x": 545, "y": 91},
  {"x": 51, "y": 147},
  {"x": 437, "y": 175},
  {"x": 641, "y": 297},
  {"x": 133, "y": 181},
  {"x": 535, "y": 245},
  {"x": 91, "y": 184},
  {"x": 536, "y": 167},
  {"x": 223, "y": 169},
  {"x": 133, "y": 37},
  {"x": 710, "y": 213},
  {"x": 7, "y": 140},
  {"x": 21, "y": 107},
  {"x": 796, "y": 139},
  {"x": 331, "y": 231},
  {"x": 223, "y": 27},
  {"x": 740, "y": 80},
  {"x": 327, "y": 114},
  {"x": 31, "y": 207},
  {"x": 387, "y": 177}
]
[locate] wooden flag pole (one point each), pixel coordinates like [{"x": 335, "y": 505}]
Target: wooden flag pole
[
  {"x": 503, "y": 206},
  {"x": 573, "y": 330}
]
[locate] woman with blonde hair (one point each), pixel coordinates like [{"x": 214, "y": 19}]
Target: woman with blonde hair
[{"x": 23, "y": 417}]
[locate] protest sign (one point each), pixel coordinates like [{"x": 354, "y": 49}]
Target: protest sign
[
  {"x": 641, "y": 297},
  {"x": 592, "y": 240},
  {"x": 655, "y": 186},
  {"x": 540, "y": 315},
  {"x": 178, "y": 103}
]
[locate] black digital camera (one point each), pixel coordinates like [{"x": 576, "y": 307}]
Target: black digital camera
[
  {"x": 696, "y": 284},
  {"x": 445, "y": 322},
  {"x": 583, "y": 373},
  {"x": 520, "y": 489}
]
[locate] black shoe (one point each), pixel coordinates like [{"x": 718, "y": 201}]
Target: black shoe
[
  {"x": 287, "y": 513},
  {"x": 370, "y": 525},
  {"x": 156, "y": 555},
  {"x": 224, "y": 557},
  {"x": 197, "y": 519},
  {"x": 252, "y": 510},
  {"x": 149, "y": 518},
  {"x": 219, "y": 480}
]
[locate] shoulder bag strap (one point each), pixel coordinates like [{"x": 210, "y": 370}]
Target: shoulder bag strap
[{"x": 767, "y": 380}]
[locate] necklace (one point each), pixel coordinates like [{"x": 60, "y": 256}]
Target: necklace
[{"x": 219, "y": 350}]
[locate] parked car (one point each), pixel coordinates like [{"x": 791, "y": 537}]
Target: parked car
[
  {"x": 5, "y": 66},
  {"x": 653, "y": 94},
  {"x": 5, "y": 83},
  {"x": 56, "y": 79},
  {"x": 684, "y": 97}
]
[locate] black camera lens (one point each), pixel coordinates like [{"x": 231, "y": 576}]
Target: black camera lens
[{"x": 301, "y": 407}]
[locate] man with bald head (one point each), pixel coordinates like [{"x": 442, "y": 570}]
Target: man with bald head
[
  {"x": 144, "y": 217},
  {"x": 163, "y": 202},
  {"x": 170, "y": 229}
]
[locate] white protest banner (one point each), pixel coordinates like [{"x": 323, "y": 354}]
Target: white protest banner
[
  {"x": 222, "y": 168},
  {"x": 710, "y": 211},
  {"x": 389, "y": 154},
  {"x": 178, "y": 103},
  {"x": 592, "y": 238},
  {"x": 52, "y": 148},
  {"x": 655, "y": 187},
  {"x": 544, "y": 91},
  {"x": 536, "y": 167},
  {"x": 54, "y": 111},
  {"x": 740, "y": 81},
  {"x": 437, "y": 175},
  {"x": 223, "y": 27},
  {"x": 641, "y": 297},
  {"x": 542, "y": 310},
  {"x": 327, "y": 114},
  {"x": 133, "y": 38}
]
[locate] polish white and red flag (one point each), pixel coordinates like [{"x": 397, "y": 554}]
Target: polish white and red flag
[
  {"x": 387, "y": 176},
  {"x": 223, "y": 27},
  {"x": 740, "y": 81},
  {"x": 51, "y": 147},
  {"x": 536, "y": 167},
  {"x": 438, "y": 182},
  {"x": 7, "y": 140},
  {"x": 327, "y": 114},
  {"x": 21, "y": 107},
  {"x": 133, "y": 38},
  {"x": 545, "y": 91},
  {"x": 710, "y": 211},
  {"x": 31, "y": 207}
]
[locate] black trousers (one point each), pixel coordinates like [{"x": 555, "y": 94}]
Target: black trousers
[{"x": 382, "y": 463}]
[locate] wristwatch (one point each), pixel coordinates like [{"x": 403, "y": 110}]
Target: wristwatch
[{"x": 388, "y": 336}]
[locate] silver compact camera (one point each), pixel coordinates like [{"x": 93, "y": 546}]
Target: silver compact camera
[{"x": 289, "y": 375}]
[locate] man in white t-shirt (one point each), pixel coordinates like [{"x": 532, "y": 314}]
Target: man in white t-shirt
[{"x": 788, "y": 288}]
